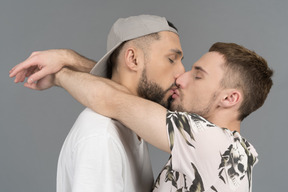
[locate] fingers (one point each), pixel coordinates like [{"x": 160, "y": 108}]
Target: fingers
[
  {"x": 20, "y": 77},
  {"x": 12, "y": 69},
  {"x": 37, "y": 76},
  {"x": 38, "y": 66},
  {"x": 31, "y": 86},
  {"x": 29, "y": 62},
  {"x": 20, "y": 67},
  {"x": 31, "y": 71}
]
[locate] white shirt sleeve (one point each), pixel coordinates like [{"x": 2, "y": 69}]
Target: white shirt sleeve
[{"x": 97, "y": 165}]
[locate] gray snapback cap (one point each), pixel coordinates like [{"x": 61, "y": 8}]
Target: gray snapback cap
[{"x": 125, "y": 29}]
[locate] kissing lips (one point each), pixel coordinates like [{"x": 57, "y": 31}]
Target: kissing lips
[{"x": 175, "y": 93}]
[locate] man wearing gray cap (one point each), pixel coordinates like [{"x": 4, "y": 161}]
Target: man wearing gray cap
[{"x": 143, "y": 54}]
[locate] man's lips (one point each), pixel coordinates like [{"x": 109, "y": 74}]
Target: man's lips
[{"x": 175, "y": 93}]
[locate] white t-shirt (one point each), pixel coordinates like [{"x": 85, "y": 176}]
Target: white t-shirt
[
  {"x": 205, "y": 157},
  {"x": 100, "y": 154}
]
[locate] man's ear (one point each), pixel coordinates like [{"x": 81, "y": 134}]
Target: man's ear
[
  {"x": 231, "y": 98},
  {"x": 131, "y": 59}
]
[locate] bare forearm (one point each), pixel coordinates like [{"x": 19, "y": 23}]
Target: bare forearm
[
  {"x": 78, "y": 62},
  {"x": 146, "y": 118},
  {"x": 99, "y": 94},
  {"x": 108, "y": 98},
  {"x": 82, "y": 86}
]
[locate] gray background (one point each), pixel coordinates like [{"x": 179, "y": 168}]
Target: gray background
[{"x": 34, "y": 124}]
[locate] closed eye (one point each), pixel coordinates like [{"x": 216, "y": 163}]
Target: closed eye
[
  {"x": 196, "y": 76},
  {"x": 171, "y": 60}
]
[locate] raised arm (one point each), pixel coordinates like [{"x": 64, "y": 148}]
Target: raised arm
[
  {"x": 147, "y": 119},
  {"x": 42, "y": 63}
]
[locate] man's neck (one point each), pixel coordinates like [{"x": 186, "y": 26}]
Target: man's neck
[
  {"x": 116, "y": 78},
  {"x": 125, "y": 81},
  {"x": 226, "y": 122}
]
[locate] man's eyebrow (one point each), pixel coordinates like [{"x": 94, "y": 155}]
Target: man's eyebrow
[
  {"x": 198, "y": 68},
  {"x": 178, "y": 52}
]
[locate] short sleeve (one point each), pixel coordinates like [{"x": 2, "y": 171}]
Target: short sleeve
[
  {"x": 211, "y": 156},
  {"x": 182, "y": 127},
  {"x": 194, "y": 152}
]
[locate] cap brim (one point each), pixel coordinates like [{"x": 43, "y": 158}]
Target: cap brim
[{"x": 100, "y": 69}]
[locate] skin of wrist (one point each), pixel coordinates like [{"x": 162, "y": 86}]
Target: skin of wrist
[
  {"x": 78, "y": 62},
  {"x": 69, "y": 55},
  {"x": 59, "y": 76}
]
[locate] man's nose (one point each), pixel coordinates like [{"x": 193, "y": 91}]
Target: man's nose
[
  {"x": 181, "y": 81},
  {"x": 180, "y": 71}
]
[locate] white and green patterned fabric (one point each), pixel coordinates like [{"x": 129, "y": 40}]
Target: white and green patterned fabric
[{"x": 205, "y": 157}]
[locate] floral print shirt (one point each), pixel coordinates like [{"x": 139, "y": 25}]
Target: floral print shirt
[{"x": 205, "y": 157}]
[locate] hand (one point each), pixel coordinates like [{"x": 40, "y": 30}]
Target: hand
[
  {"x": 42, "y": 84},
  {"x": 40, "y": 64}
]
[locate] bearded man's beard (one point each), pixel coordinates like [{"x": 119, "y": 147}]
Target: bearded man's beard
[{"x": 152, "y": 91}]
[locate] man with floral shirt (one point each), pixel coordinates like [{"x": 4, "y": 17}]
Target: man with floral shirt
[
  {"x": 207, "y": 151},
  {"x": 218, "y": 160}
]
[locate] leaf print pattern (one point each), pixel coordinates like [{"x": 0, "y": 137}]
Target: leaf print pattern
[
  {"x": 174, "y": 176},
  {"x": 235, "y": 162},
  {"x": 181, "y": 121},
  {"x": 197, "y": 184}
]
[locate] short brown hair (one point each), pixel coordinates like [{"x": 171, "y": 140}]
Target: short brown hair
[{"x": 247, "y": 71}]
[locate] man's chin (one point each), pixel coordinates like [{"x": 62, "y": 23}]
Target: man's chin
[
  {"x": 173, "y": 106},
  {"x": 170, "y": 101}
]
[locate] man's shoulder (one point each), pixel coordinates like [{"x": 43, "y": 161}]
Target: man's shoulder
[
  {"x": 90, "y": 115},
  {"x": 92, "y": 124}
]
